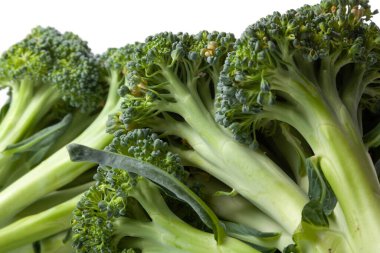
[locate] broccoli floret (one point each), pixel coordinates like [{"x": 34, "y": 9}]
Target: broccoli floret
[
  {"x": 49, "y": 74},
  {"x": 57, "y": 170},
  {"x": 310, "y": 68},
  {"x": 42, "y": 222},
  {"x": 170, "y": 88},
  {"x": 52, "y": 78},
  {"x": 125, "y": 212}
]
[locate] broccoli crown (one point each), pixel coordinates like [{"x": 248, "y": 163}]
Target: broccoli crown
[
  {"x": 146, "y": 146},
  {"x": 116, "y": 59},
  {"x": 96, "y": 214},
  {"x": 158, "y": 66},
  {"x": 291, "y": 46},
  {"x": 65, "y": 61}
]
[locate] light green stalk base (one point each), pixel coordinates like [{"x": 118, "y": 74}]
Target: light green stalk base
[
  {"x": 57, "y": 170},
  {"x": 26, "y": 110},
  {"x": 36, "y": 227},
  {"x": 250, "y": 172},
  {"x": 167, "y": 233},
  {"x": 351, "y": 174}
]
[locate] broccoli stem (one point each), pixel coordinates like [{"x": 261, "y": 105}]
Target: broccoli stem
[
  {"x": 29, "y": 248},
  {"x": 18, "y": 161},
  {"x": 36, "y": 227},
  {"x": 167, "y": 231},
  {"x": 30, "y": 107},
  {"x": 53, "y": 199},
  {"x": 255, "y": 176},
  {"x": 21, "y": 94},
  {"x": 329, "y": 129},
  {"x": 58, "y": 243},
  {"x": 344, "y": 160},
  {"x": 226, "y": 207},
  {"x": 57, "y": 170}
]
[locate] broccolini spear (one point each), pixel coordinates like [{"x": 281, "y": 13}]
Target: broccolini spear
[
  {"x": 126, "y": 213},
  {"x": 57, "y": 170},
  {"x": 170, "y": 88},
  {"x": 310, "y": 68},
  {"x": 50, "y": 75}
]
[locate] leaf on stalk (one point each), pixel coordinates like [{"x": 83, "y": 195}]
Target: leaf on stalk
[
  {"x": 322, "y": 198},
  {"x": 162, "y": 178}
]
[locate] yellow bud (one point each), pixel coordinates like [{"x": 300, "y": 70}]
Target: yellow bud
[
  {"x": 209, "y": 53},
  {"x": 358, "y": 13},
  {"x": 137, "y": 90},
  {"x": 212, "y": 45}
]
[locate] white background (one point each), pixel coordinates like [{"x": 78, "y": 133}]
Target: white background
[{"x": 114, "y": 23}]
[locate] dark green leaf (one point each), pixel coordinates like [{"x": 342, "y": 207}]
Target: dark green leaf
[
  {"x": 240, "y": 229},
  {"x": 40, "y": 139},
  {"x": 4, "y": 110},
  {"x": 377, "y": 168},
  {"x": 82, "y": 153},
  {"x": 291, "y": 249},
  {"x": 24, "y": 155},
  {"x": 372, "y": 138},
  {"x": 322, "y": 198},
  {"x": 259, "y": 240},
  {"x": 313, "y": 213}
]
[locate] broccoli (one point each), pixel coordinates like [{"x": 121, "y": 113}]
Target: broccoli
[
  {"x": 170, "y": 88},
  {"x": 300, "y": 75},
  {"x": 316, "y": 69},
  {"x": 57, "y": 170},
  {"x": 127, "y": 213},
  {"x": 262, "y": 143},
  {"x": 50, "y": 75},
  {"x": 34, "y": 227}
]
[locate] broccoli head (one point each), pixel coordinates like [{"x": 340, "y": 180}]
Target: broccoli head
[
  {"x": 313, "y": 69},
  {"x": 124, "y": 212}
]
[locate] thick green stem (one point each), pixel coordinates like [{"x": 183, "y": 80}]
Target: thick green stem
[
  {"x": 57, "y": 170},
  {"x": 332, "y": 134},
  {"x": 53, "y": 199},
  {"x": 227, "y": 206},
  {"x": 30, "y": 110},
  {"x": 36, "y": 227},
  {"x": 169, "y": 232},
  {"x": 18, "y": 161},
  {"x": 351, "y": 174},
  {"x": 21, "y": 94},
  {"x": 336, "y": 138},
  {"x": 249, "y": 172}
]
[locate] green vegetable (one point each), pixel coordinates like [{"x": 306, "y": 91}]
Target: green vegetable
[
  {"x": 127, "y": 212},
  {"x": 310, "y": 68},
  {"x": 50, "y": 75},
  {"x": 264, "y": 143}
]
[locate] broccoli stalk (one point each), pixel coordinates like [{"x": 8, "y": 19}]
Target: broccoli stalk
[
  {"x": 255, "y": 226},
  {"x": 127, "y": 212},
  {"x": 160, "y": 231},
  {"x": 50, "y": 75},
  {"x": 44, "y": 218},
  {"x": 170, "y": 88},
  {"x": 58, "y": 243},
  {"x": 309, "y": 68},
  {"x": 16, "y": 160},
  {"x": 38, "y": 226},
  {"x": 57, "y": 170}
]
